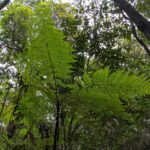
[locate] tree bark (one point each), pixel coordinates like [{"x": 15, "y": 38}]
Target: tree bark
[
  {"x": 4, "y": 3},
  {"x": 140, "y": 21},
  {"x": 56, "y": 133}
]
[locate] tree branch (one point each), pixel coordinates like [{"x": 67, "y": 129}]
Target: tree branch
[
  {"x": 140, "y": 41},
  {"x": 4, "y": 3},
  {"x": 140, "y": 21}
]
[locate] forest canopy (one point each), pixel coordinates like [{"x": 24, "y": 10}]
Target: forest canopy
[{"x": 74, "y": 76}]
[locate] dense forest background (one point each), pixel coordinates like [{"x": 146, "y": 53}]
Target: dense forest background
[{"x": 74, "y": 76}]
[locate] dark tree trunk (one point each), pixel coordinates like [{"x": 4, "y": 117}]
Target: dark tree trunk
[
  {"x": 4, "y": 3},
  {"x": 56, "y": 133},
  {"x": 69, "y": 133},
  {"x": 140, "y": 21}
]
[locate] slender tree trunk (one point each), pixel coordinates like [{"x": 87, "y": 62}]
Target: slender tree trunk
[
  {"x": 63, "y": 117},
  {"x": 140, "y": 21},
  {"x": 56, "y": 133},
  {"x": 69, "y": 133},
  {"x": 64, "y": 137}
]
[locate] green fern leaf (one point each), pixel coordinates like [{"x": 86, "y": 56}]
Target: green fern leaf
[
  {"x": 103, "y": 90},
  {"x": 48, "y": 52}
]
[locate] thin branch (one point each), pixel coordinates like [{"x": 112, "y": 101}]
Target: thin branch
[
  {"x": 4, "y": 3},
  {"x": 138, "y": 19},
  {"x": 140, "y": 41}
]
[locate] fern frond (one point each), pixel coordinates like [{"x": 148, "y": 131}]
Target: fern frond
[
  {"x": 104, "y": 90},
  {"x": 48, "y": 52}
]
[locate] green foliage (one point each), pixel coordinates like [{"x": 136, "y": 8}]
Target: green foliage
[
  {"x": 143, "y": 6},
  {"x": 48, "y": 53},
  {"x": 90, "y": 38},
  {"x": 104, "y": 90},
  {"x": 43, "y": 101},
  {"x": 15, "y": 26}
]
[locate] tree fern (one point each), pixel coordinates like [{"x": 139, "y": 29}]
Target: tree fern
[
  {"x": 48, "y": 52},
  {"x": 103, "y": 90}
]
